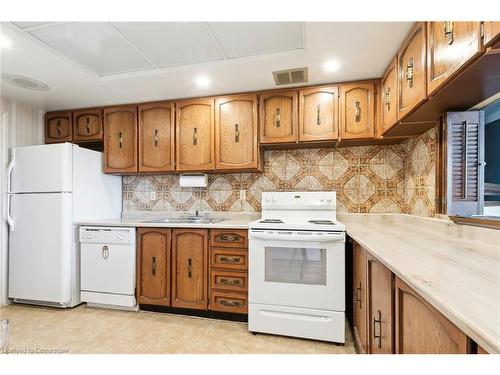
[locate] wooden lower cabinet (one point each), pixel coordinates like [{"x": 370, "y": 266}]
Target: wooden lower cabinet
[
  {"x": 189, "y": 268},
  {"x": 380, "y": 306},
  {"x": 421, "y": 329},
  {"x": 360, "y": 323},
  {"x": 153, "y": 266}
]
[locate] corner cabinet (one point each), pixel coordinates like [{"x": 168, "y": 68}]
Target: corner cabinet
[
  {"x": 87, "y": 125},
  {"x": 190, "y": 268},
  {"x": 153, "y": 266},
  {"x": 236, "y": 133},
  {"x": 412, "y": 71},
  {"x": 58, "y": 127},
  {"x": 421, "y": 329},
  {"x": 195, "y": 135},
  {"x": 279, "y": 117},
  {"x": 120, "y": 140},
  {"x": 450, "y": 46},
  {"x": 318, "y": 119},
  {"x": 156, "y": 137},
  {"x": 389, "y": 96},
  {"x": 357, "y": 110}
]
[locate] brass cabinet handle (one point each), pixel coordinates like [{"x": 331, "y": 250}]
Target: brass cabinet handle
[
  {"x": 228, "y": 238},
  {"x": 229, "y": 259},
  {"x": 236, "y": 133},
  {"x": 387, "y": 98},
  {"x": 357, "y": 113},
  {"x": 87, "y": 125},
  {"x": 229, "y": 281},
  {"x": 195, "y": 136},
  {"x": 318, "y": 114},
  {"x": 153, "y": 266},
  {"x": 358, "y": 294},
  {"x": 190, "y": 268},
  {"x": 379, "y": 321},
  {"x": 105, "y": 252},
  {"x": 409, "y": 72},
  {"x": 120, "y": 139},
  {"x": 229, "y": 303},
  {"x": 277, "y": 118},
  {"x": 448, "y": 31},
  {"x": 58, "y": 127},
  {"x": 155, "y": 138}
]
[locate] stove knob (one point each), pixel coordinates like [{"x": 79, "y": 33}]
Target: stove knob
[
  {"x": 329, "y": 200},
  {"x": 274, "y": 200},
  {"x": 119, "y": 237}
]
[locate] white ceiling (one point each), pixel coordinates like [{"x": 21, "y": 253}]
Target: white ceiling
[{"x": 98, "y": 63}]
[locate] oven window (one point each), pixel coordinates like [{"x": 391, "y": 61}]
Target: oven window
[{"x": 296, "y": 265}]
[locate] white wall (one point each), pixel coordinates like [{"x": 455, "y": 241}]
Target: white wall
[{"x": 20, "y": 124}]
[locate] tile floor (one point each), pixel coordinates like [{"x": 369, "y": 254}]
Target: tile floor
[{"x": 90, "y": 330}]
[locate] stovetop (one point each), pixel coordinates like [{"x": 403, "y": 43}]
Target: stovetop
[{"x": 298, "y": 224}]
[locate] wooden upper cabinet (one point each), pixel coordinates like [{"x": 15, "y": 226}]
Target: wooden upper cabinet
[
  {"x": 389, "y": 96},
  {"x": 412, "y": 71},
  {"x": 87, "y": 125},
  {"x": 450, "y": 46},
  {"x": 236, "y": 140},
  {"x": 491, "y": 32},
  {"x": 58, "y": 127},
  {"x": 195, "y": 135},
  {"x": 190, "y": 268},
  {"x": 421, "y": 329},
  {"x": 153, "y": 266},
  {"x": 380, "y": 306},
  {"x": 120, "y": 139},
  {"x": 156, "y": 137},
  {"x": 360, "y": 298},
  {"x": 278, "y": 117},
  {"x": 357, "y": 110},
  {"x": 318, "y": 119}
]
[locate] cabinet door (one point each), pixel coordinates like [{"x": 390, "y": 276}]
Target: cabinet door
[
  {"x": 389, "y": 95},
  {"x": 380, "y": 305},
  {"x": 319, "y": 118},
  {"x": 278, "y": 117},
  {"x": 421, "y": 329},
  {"x": 153, "y": 266},
  {"x": 156, "y": 137},
  {"x": 412, "y": 71},
  {"x": 357, "y": 111},
  {"x": 236, "y": 132},
  {"x": 58, "y": 127},
  {"x": 360, "y": 299},
  {"x": 87, "y": 125},
  {"x": 450, "y": 45},
  {"x": 195, "y": 135},
  {"x": 120, "y": 139},
  {"x": 190, "y": 268},
  {"x": 491, "y": 33}
]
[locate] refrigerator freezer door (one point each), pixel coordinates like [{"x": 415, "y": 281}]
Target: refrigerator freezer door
[
  {"x": 41, "y": 247},
  {"x": 44, "y": 168}
]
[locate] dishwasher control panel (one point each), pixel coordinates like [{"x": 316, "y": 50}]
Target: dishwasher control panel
[{"x": 116, "y": 235}]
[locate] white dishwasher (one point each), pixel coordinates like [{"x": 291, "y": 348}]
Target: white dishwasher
[{"x": 107, "y": 267}]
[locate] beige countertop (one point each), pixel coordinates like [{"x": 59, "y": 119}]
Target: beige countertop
[{"x": 455, "y": 268}]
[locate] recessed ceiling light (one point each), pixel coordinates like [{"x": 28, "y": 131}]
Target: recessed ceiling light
[
  {"x": 202, "y": 81},
  {"x": 4, "y": 42},
  {"x": 331, "y": 65},
  {"x": 24, "y": 82}
]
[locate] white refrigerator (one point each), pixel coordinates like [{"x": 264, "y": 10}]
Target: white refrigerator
[{"x": 51, "y": 187}]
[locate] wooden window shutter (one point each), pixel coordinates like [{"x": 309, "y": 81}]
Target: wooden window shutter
[{"x": 465, "y": 166}]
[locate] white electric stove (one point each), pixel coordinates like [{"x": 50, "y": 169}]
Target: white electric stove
[{"x": 297, "y": 267}]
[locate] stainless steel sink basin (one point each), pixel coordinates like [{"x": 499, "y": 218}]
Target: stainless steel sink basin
[{"x": 186, "y": 220}]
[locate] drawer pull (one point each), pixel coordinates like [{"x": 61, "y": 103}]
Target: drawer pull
[
  {"x": 87, "y": 125},
  {"x": 387, "y": 98},
  {"x": 230, "y": 259},
  {"x": 195, "y": 136},
  {"x": 155, "y": 138},
  {"x": 379, "y": 322},
  {"x": 409, "y": 72},
  {"x": 448, "y": 31},
  {"x": 236, "y": 133},
  {"x": 357, "y": 112},
  {"x": 59, "y": 127},
  {"x": 190, "y": 268},
  {"x": 120, "y": 139},
  {"x": 277, "y": 118},
  {"x": 358, "y": 294},
  {"x": 318, "y": 115},
  {"x": 230, "y": 303},
  {"x": 228, "y": 238},
  {"x": 225, "y": 281},
  {"x": 153, "y": 266}
]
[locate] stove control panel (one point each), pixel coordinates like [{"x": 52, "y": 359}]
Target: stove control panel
[{"x": 305, "y": 200}]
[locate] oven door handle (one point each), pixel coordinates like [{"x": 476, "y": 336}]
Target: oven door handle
[{"x": 293, "y": 236}]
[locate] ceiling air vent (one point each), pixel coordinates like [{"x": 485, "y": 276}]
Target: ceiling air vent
[
  {"x": 290, "y": 76},
  {"x": 24, "y": 82}
]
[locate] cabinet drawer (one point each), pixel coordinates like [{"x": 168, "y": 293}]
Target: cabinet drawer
[
  {"x": 229, "y": 238},
  {"x": 234, "y": 281},
  {"x": 229, "y": 259},
  {"x": 229, "y": 302}
]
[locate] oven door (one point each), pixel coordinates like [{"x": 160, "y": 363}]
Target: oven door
[{"x": 297, "y": 269}]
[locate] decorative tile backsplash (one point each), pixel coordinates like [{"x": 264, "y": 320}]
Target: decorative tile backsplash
[{"x": 378, "y": 179}]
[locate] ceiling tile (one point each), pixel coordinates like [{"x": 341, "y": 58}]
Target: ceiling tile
[
  {"x": 171, "y": 43},
  {"x": 240, "y": 39},
  {"x": 94, "y": 45}
]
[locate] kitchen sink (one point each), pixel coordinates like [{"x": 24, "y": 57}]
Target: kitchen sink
[{"x": 186, "y": 220}]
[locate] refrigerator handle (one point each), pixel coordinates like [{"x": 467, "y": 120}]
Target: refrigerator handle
[
  {"x": 10, "y": 221},
  {"x": 10, "y": 168}
]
